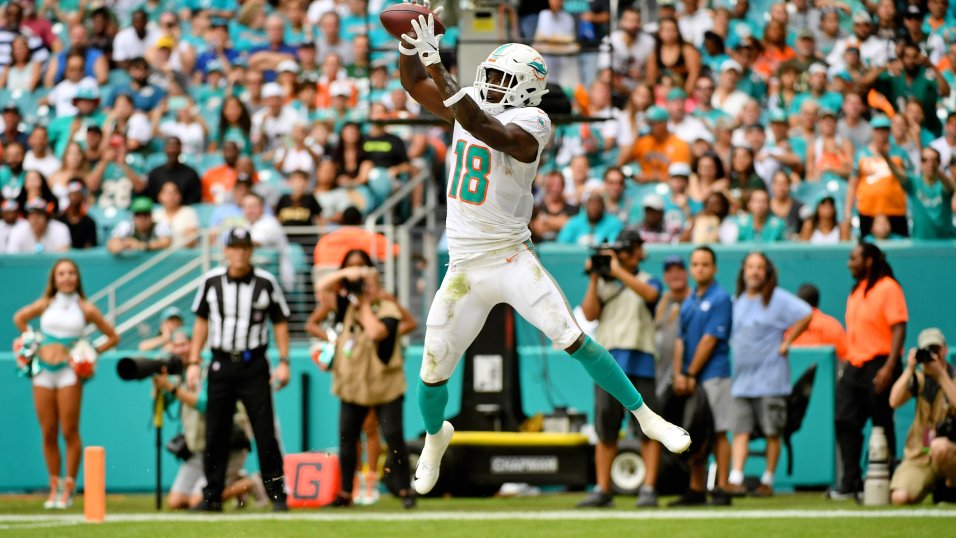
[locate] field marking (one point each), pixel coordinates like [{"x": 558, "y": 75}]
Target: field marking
[{"x": 549, "y": 515}]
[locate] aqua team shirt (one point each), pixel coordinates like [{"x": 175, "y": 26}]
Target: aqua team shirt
[
  {"x": 11, "y": 184},
  {"x": 709, "y": 314},
  {"x": 59, "y": 130},
  {"x": 932, "y": 209},
  {"x": 244, "y": 38},
  {"x": 774, "y": 229},
  {"x": 924, "y": 88},
  {"x": 758, "y": 329},
  {"x": 116, "y": 189},
  {"x": 579, "y": 231},
  {"x": 831, "y": 100},
  {"x": 233, "y": 134}
]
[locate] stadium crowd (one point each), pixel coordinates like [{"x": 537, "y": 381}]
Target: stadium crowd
[{"x": 725, "y": 122}]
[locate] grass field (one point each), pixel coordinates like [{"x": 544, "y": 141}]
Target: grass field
[{"x": 548, "y": 516}]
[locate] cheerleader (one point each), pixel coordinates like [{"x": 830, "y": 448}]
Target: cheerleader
[{"x": 64, "y": 313}]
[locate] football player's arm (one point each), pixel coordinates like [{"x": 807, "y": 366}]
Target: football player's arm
[
  {"x": 506, "y": 138},
  {"x": 416, "y": 82}
]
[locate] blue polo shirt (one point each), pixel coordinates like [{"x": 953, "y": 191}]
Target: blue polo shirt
[{"x": 710, "y": 314}]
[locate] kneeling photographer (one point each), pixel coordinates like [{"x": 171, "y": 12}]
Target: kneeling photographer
[
  {"x": 623, "y": 299},
  {"x": 188, "y": 446},
  {"x": 368, "y": 372},
  {"x": 929, "y": 455}
]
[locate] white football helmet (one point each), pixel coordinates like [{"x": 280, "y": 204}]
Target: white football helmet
[{"x": 524, "y": 82}]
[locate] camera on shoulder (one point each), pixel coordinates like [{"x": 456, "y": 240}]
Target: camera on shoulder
[{"x": 601, "y": 263}]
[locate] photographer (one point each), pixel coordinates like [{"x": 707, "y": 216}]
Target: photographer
[
  {"x": 186, "y": 490},
  {"x": 622, "y": 298},
  {"x": 368, "y": 372},
  {"x": 930, "y": 450}
]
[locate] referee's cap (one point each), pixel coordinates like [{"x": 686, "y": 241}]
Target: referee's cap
[{"x": 239, "y": 237}]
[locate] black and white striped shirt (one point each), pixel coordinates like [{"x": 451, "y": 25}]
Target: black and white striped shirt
[{"x": 238, "y": 309}]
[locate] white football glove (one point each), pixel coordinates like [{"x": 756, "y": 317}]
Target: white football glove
[
  {"x": 411, "y": 51},
  {"x": 425, "y": 41}
]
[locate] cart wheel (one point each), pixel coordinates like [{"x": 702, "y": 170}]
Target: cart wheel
[{"x": 627, "y": 472}]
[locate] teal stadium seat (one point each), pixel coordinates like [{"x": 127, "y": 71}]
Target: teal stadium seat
[{"x": 106, "y": 219}]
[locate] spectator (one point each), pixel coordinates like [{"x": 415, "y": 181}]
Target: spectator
[
  {"x": 852, "y": 126},
  {"x": 655, "y": 152},
  {"x": 667, "y": 319},
  {"x": 556, "y": 33},
  {"x": 592, "y": 226},
  {"x": 266, "y": 58},
  {"x": 298, "y": 207},
  {"x": 695, "y": 22},
  {"x": 188, "y": 124},
  {"x": 12, "y": 28},
  {"x": 218, "y": 181},
  {"x": 127, "y": 123},
  {"x": 823, "y": 330},
  {"x": 82, "y": 227},
  {"x": 931, "y": 197},
  {"x": 759, "y": 224},
  {"x": 9, "y": 220},
  {"x": 876, "y": 317},
  {"x": 932, "y": 45},
  {"x": 350, "y": 158},
  {"x": 333, "y": 199},
  {"x": 310, "y": 70},
  {"x": 102, "y": 32},
  {"x": 74, "y": 164},
  {"x": 872, "y": 188},
  {"x": 766, "y": 321},
  {"x": 11, "y": 126},
  {"x": 632, "y": 120},
  {"x": 228, "y": 213},
  {"x": 368, "y": 373},
  {"x": 22, "y": 73},
  {"x": 219, "y": 53},
  {"x": 673, "y": 57},
  {"x": 707, "y": 176},
  {"x": 908, "y": 77},
  {"x": 702, "y": 355},
  {"x": 783, "y": 205},
  {"x": 95, "y": 65},
  {"x": 141, "y": 233},
  {"x": 43, "y": 233},
  {"x": 330, "y": 40},
  {"x": 35, "y": 187},
  {"x": 182, "y": 221},
  {"x": 817, "y": 91},
  {"x": 926, "y": 460},
  {"x": 683, "y": 125},
  {"x": 183, "y": 175},
  {"x": 116, "y": 174},
  {"x": 74, "y": 126},
  {"x": 62, "y": 95},
  {"x": 553, "y": 211},
  {"x": 616, "y": 201},
  {"x": 823, "y": 228},
  {"x": 580, "y": 185},
  {"x": 272, "y": 124},
  {"x": 332, "y": 247},
  {"x": 267, "y": 233},
  {"x": 703, "y": 102},
  {"x": 40, "y": 157},
  {"x": 743, "y": 175},
  {"x": 235, "y": 125},
  {"x": 829, "y": 155},
  {"x": 727, "y": 97},
  {"x": 12, "y": 174},
  {"x": 387, "y": 153},
  {"x": 874, "y": 52},
  {"x": 627, "y": 50},
  {"x": 905, "y": 137},
  {"x": 656, "y": 228},
  {"x": 946, "y": 144},
  {"x": 146, "y": 95},
  {"x": 132, "y": 42},
  {"x": 171, "y": 320},
  {"x": 713, "y": 224},
  {"x": 623, "y": 303}
]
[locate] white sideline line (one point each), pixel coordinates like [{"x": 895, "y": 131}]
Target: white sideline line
[{"x": 492, "y": 516}]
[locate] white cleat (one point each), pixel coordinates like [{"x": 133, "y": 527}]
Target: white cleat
[
  {"x": 426, "y": 475},
  {"x": 674, "y": 438}
]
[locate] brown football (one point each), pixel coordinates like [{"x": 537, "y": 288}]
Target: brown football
[{"x": 398, "y": 19}]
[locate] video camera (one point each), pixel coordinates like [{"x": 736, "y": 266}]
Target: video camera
[
  {"x": 601, "y": 263},
  {"x": 138, "y": 368},
  {"x": 925, "y": 355}
]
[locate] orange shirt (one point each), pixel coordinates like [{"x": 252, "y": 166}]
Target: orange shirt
[
  {"x": 218, "y": 182},
  {"x": 877, "y": 191},
  {"x": 655, "y": 157},
  {"x": 772, "y": 58},
  {"x": 870, "y": 318},
  {"x": 823, "y": 330},
  {"x": 333, "y": 246}
]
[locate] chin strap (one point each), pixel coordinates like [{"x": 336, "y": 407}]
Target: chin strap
[{"x": 455, "y": 98}]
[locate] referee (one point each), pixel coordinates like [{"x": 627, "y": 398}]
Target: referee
[{"x": 232, "y": 308}]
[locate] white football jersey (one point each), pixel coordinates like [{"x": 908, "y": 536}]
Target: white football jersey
[{"x": 489, "y": 192}]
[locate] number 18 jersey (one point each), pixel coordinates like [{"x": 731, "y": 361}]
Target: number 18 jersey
[{"x": 489, "y": 192}]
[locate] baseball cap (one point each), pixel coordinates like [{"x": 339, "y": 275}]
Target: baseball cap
[
  {"x": 912, "y": 12},
  {"x": 181, "y": 332},
  {"x": 340, "y": 88},
  {"x": 39, "y": 205},
  {"x": 754, "y": 126},
  {"x": 171, "y": 312},
  {"x": 9, "y": 204},
  {"x": 288, "y": 66},
  {"x": 218, "y": 22},
  {"x": 87, "y": 92},
  {"x": 827, "y": 111},
  {"x": 731, "y": 64},
  {"x": 880, "y": 122},
  {"x": 674, "y": 261},
  {"x": 141, "y": 205},
  {"x": 215, "y": 65},
  {"x": 629, "y": 238},
  {"x": 11, "y": 107},
  {"x": 165, "y": 42},
  {"x": 656, "y": 113},
  {"x": 777, "y": 115},
  {"x": 805, "y": 33},
  {"x": 75, "y": 185},
  {"x": 677, "y": 169},
  {"x": 931, "y": 337},
  {"x": 675, "y": 94},
  {"x": 862, "y": 17},
  {"x": 239, "y": 237},
  {"x": 272, "y": 90},
  {"x": 817, "y": 68},
  {"x": 654, "y": 201}
]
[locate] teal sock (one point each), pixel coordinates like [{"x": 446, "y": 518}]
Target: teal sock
[
  {"x": 431, "y": 402},
  {"x": 605, "y": 371}
]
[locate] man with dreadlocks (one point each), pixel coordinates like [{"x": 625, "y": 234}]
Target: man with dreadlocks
[
  {"x": 876, "y": 327},
  {"x": 767, "y": 319}
]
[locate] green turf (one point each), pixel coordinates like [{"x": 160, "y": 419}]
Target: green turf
[{"x": 870, "y": 527}]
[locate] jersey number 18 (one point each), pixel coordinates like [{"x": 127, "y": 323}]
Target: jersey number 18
[{"x": 476, "y": 161}]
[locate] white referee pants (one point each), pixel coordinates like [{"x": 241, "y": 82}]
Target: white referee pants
[{"x": 469, "y": 291}]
